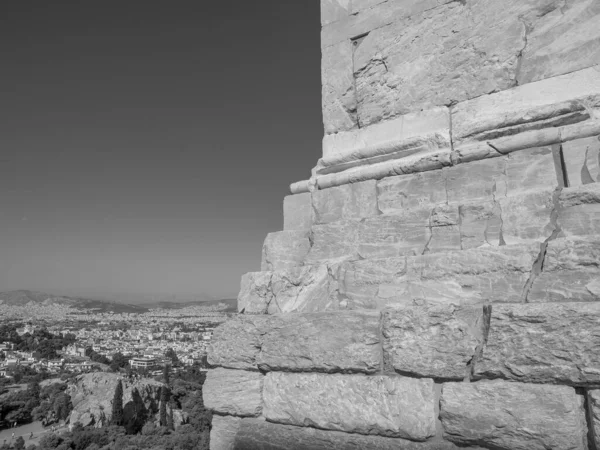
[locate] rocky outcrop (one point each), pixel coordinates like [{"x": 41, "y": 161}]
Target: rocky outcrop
[{"x": 92, "y": 395}]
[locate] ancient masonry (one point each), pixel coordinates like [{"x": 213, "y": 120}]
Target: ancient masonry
[{"x": 437, "y": 282}]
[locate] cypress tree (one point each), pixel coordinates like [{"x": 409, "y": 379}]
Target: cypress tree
[
  {"x": 117, "y": 405},
  {"x": 167, "y": 374},
  {"x": 164, "y": 399}
]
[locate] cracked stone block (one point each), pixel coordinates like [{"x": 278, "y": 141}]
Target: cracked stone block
[
  {"x": 561, "y": 39},
  {"x": 233, "y": 392},
  {"x": 432, "y": 340},
  {"x": 582, "y": 161},
  {"x": 527, "y": 218},
  {"x": 389, "y": 236},
  {"x": 350, "y": 201},
  {"x": 594, "y": 406},
  {"x": 258, "y": 434},
  {"x": 444, "y": 239},
  {"x": 571, "y": 271},
  {"x": 476, "y": 181},
  {"x": 352, "y": 403},
  {"x": 338, "y": 92},
  {"x": 495, "y": 274},
  {"x": 297, "y": 212},
  {"x": 579, "y": 213},
  {"x": 285, "y": 250},
  {"x": 343, "y": 341},
  {"x": 299, "y": 289},
  {"x": 334, "y": 10},
  {"x": 223, "y": 432},
  {"x": 444, "y": 55},
  {"x": 532, "y": 170},
  {"x": 481, "y": 224},
  {"x": 335, "y": 241},
  {"x": 340, "y": 341},
  {"x": 547, "y": 103},
  {"x": 543, "y": 343},
  {"x": 236, "y": 343},
  {"x": 396, "y": 194},
  {"x": 513, "y": 416},
  {"x": 416, "y": 133}
]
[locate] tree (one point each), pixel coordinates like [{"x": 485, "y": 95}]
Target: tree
[
  {"x": 167, "y": 374},
  {"x": 170, "y": 353},
  {"x": 117, "y": 405},
  {"x": 19, "y": 443},
  {"x": 118, "y": 361},
  {"x": 164, "y": 399}
]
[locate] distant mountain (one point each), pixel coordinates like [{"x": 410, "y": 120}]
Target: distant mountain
[{"x": 23, "y": 297}]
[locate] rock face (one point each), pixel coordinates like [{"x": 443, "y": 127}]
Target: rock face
[
  {"x": 513, "y": 416},
  {"x": 92, "y": 395},
  {"x": 436, "y": 284},
  {"x": 352, "y": 403}
]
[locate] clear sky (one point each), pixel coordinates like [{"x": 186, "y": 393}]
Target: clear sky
[{"x": 146, "y": 146}]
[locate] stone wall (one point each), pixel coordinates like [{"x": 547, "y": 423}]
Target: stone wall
[{"x": 437, "y": 281}]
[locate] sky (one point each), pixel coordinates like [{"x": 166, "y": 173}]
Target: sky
[{"x": 146, "y": 146}]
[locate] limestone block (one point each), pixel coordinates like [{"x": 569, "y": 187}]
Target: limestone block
[
  {"x": 571, "y": 271},
  {"x": 338, "y": 93},
  {"x": 563, "y": 40},
  {"x": 443, "y": 239},
  {"x": 389, "y": 236},
  {"x": 481, "y": 224},
  {"x": 579, "y": 210},
  {"x": 513, "y": 416},
  {"x": 285, "y": 249},
  {"x": 343, "y": 341},
  {"x": 335, "y": 241},
  {"x": 369, "y": 15},
  {"x": 441, "y": 56},
  {"x": 531, "y": 170},
  {"x": 334, "y": 10},
  {"x": 352, "y": 403},
  {"x": 476, "y": 181},
  {"x": 496, "y": 274},
  {"x": 594, "y": 405},
  {"x": 223, "y": 432},
  {"x": 350, "y": 201},
  {"x": 432, "y": 340},
  {"x": 258, "y": 434},
  {"x": 300, "y": 289},
  {"x": 236, "y": 343},
  {"x": 233, "y": 392},
  {"x": 527, "y": 218},
  {"x": 582, "y": 161},
  {"x": 395, "y": 194},
  {"x": 547, "y": 103},
  {"x": 297, "y": 212},
  {"x": 414, "y": 133},
  {"x": 543, "y": 343}
]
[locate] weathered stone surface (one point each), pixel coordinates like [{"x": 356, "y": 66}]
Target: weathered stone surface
[
  {"x": 527, "y": 218},
  {"x": 334, "y": 10},
  {"x": 285, "y": 250},
  {"x": 579, "y": 210},
  {"x": 233, "y": 392},
  {"x": 547, "y": 103},
  {"x": 582, "y": 161},
  {"x": 340, "y": 341},
  {"x": 496, "y": 274},
  {"x": 351, "y": 201},
  {"x": 410, "y": 134},
  {"x": 338, "y": 93},
  {"x": 444, "y": 55},
  {"x": 343, "y": 341},
  {"x": 481, "y": 225},
  {"x": 92, "y": 395},
  {"x": 543, "y": 343},
  {"x": 396, "y": 194},
  {"x": 562, "y": 40},
  {"x": 513, "y": 416},
  {"x": 571, "y": 271},
  {"x": 300, "y": 289},
  {"x": 335, "y": 241},
  {"x": 389, "y": 406},
  {"x": 257, "y": 434},
  {"x": 236, "y": 343},
  {"x": 433, "y": 340},
  {"x": 223, "y": 432},
  {"x": 594, "y": 406},
  {"x": 297, "y": 212}
]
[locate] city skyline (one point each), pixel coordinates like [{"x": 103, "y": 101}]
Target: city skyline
[{"x": 146, "y": 149}]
